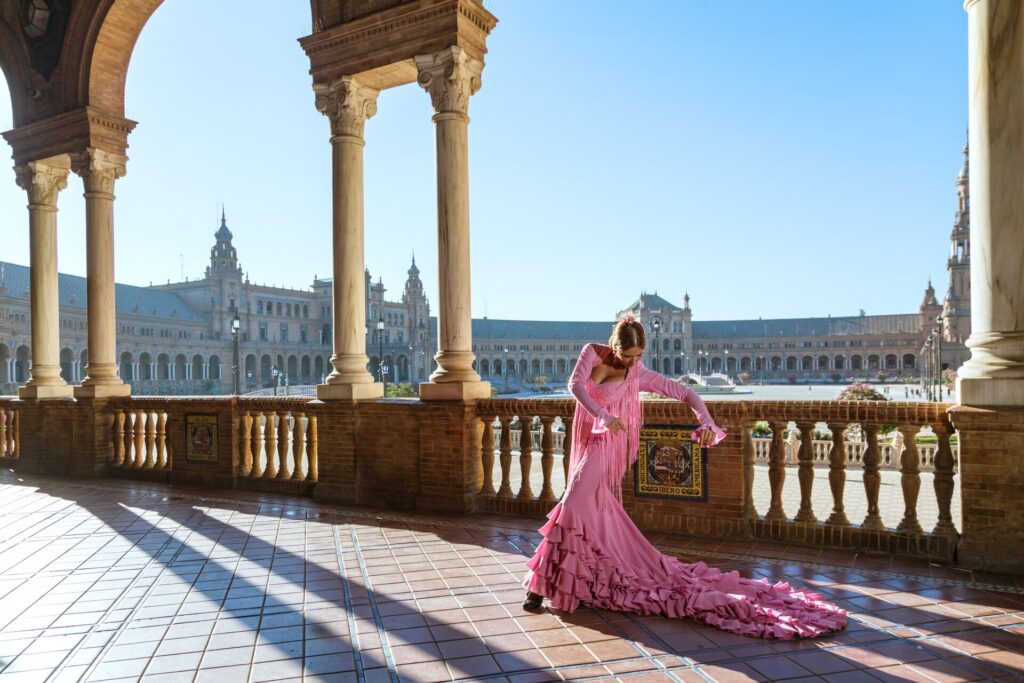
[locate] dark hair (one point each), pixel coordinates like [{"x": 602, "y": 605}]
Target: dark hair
[{"x": 627, "y": 334}]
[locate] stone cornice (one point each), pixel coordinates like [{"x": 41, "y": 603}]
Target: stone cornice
[
  {"x": 397, "y": 35},
  {"x": 70, "y": 133}
]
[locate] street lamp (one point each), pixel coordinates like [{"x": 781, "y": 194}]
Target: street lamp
[
  {"x": 656, "y": 325},
  {"x": 505, "y": 368},
  {"x": 276, "y": 374},
  {"x": 938, "y": 353},
  {"x": 236, "y": 325},
  {"x": 700, "y": 362},
  {"x": 683, "y": 359},
  {"x": 725, "y": 362},
  {"x": 380, "y": 353}
]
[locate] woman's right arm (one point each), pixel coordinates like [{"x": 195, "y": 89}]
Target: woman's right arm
[{"x": 577, "y": 385}]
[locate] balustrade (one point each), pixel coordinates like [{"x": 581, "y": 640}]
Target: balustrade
[
  {"x": 140, "y": 438},
  {"x": 278, "y": 444}
]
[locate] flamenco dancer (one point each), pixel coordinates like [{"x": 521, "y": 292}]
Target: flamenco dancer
[{"x": 592, "y": 553}]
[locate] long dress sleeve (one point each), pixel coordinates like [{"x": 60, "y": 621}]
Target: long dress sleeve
[
  {"x": 578, "y": 385},
  {"x": 656, "y": 382}
]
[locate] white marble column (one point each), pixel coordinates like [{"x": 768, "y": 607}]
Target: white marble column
[
  {"x": 451, "y": 77},
  {"x": 43, "y": 181},
  {"x": 99, "y": 171},
  {"x": 348, "y": 104},
  {"x": 994, "y": 375}
]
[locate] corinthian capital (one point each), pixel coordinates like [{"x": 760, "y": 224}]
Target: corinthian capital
[
  {"x": 451, "y": 77},
  {"x": 99, "y": 169},
  {"x": 42, "y": 181},
  {"x": 347, "y": 103}
]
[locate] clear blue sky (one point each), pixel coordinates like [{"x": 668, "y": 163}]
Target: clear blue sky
[{"x": 773, "y": 159}]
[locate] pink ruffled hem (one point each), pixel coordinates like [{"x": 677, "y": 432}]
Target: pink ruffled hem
[{"x": 569, "y": 569}]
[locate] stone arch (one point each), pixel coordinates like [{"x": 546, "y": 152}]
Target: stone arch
[
  {"x": 180, "y": 363},
  {"x": 807, "y": 363},
  {"x": 318, "y": 368},
  {"x": 823, "y": 362},
  {"x": 891, "y": 362},
  {"x": 197, "y": 367},
  {"x": 839, "y": 362},
  {"x": 214, "y": 367},
  {"x": 127, "y": 366},
  {"x": 251, "y": 373},
  {"x": 265, "y": 365},
  {"x": 5, "y": 356},
  {"x": 163, "y": 366},
  {"x": 293, "y": 369},
  {"x": 856, "y": 362},
  {"x": 678, "y": 369},
  {"x": 21, "y": 364},
  {"x": 909, "y": 362},
  {"x": 485, "y": 367},
  {"x": 14, "y": 64},
  {"x": 67, "y": 365},
  {"x": 304, "y": 369},
  {"x": 745, "y": 364},
  {"x": 145, "y": 366}
]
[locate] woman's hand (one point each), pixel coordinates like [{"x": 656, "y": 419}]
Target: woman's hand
[
  {"x": 616, "y": 426},
  {"x": 706, "y": 437}
]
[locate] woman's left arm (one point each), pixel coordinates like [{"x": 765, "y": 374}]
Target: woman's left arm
[{"x": 658, "y": 383}]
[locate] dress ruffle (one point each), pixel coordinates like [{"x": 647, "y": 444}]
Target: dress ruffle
[{"x": 571, "y": 567}]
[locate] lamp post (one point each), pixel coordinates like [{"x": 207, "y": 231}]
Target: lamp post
[
  {"x": 656, "y": 324},
  {"x": 938, "y": 353},
  {"x": 276, "y": 374},
  {"x": 683, "y": 359},
  {"x": 700, "y": 363},
  {"x": 505, "y": 368},
  {"x": 926, "y": 376},
  {"x": 236, "y": 325},
  {"x": 380, "y": 354},
  {"x": 725, "y": 362}
]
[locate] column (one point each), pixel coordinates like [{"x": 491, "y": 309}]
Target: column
[
  {"x": 348, "y": 104},
  {"x": 43, "y": 181},
  {"x": 451, "y": 77},
  {"x": 994, "y": 374},
  {"x": 99, "y": 170}
]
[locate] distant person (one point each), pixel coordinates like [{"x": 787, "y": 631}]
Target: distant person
[{"x": 593, "y": 554}]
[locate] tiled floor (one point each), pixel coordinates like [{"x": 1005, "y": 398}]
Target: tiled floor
[{"x": 105, "y": 580}]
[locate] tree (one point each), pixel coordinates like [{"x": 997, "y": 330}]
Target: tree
[{"x": 401, "y": 391}]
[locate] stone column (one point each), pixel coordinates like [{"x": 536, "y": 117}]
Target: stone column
[
  {"x": 994, "y": 375},
  {"x": 43, "y": 181},
  {"x": 451, "y": 77},
  {"x": 99, "y": 170},
  {"x": 348, "y": 104}
]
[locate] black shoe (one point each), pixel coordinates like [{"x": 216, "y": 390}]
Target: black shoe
[{"x": 533, "y": 602}]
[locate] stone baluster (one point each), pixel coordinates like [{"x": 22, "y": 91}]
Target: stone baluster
[
  {"x": 259, "y": 424},
  {"x": 299, "y": 446},
  {"x": 776, "y": 472},
  {"x": 910, "y": 480},
  {"x": 285, "y": 470},
  {"x": 943, "y": 481},
  {"x": 749, "y": 511},
  {"x": 837, "y": 475},
  {"x": 246, "y": 444},
  {"x": 872, "y": 479},
  {"x": 487, "y": 455},
  {"x": 163, "y": 453},
  {"x": 547, "y": 458},
  {"x": 270, "y": 427},
  {"x": 4, "y": 446},
  {"x": 119, "y": 438},
  {"x": 312, "y": 446},
  {"x": 805, "y": 473},
  {"x": 139, "y": 428},
  {"x": 525, "y": 458},
  {"x": 151, "y": 440},
  {"x": 505, "y": 457}
]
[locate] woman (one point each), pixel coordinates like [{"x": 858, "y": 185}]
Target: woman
[{"x": 594, "y": 554}]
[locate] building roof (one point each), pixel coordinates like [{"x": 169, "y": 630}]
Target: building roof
[
  {"x": 146, "y": 302},
  {"x": 487, "y": 328},
  {"x": 902, "y": 323},
  {"x": 652, "y": 302}
]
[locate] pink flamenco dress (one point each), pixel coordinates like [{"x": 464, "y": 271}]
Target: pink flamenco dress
[{"x": 593, "y": 554}]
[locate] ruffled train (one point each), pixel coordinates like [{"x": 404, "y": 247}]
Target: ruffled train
[{"x": 604, "y": 561}]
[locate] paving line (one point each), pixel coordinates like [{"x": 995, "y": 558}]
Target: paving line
[{"x": 381, "y": 631}]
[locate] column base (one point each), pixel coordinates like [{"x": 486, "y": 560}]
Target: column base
[
  {"x": 349, "y": 392},
  {"x": 990, "y": 391},
  {"x": 102, "y": 390},
  {"x": 44, "y": 392},
  {"x": 454, "y": 391}
]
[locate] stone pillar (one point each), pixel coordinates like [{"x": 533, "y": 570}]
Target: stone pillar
[
  {"x": 994, "y": 374},
  {"x": 451, "y": 77},
  {"x": 43, "y": 180},
  {"x": 99, "y": 170},
  {"x": 348, "y": 104}
]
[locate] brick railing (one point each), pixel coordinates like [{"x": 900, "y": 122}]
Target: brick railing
[{"x": 524, "y": 480}]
